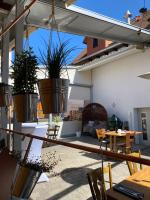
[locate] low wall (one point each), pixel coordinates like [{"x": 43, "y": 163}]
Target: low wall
[{"x": 69, "y": 128}]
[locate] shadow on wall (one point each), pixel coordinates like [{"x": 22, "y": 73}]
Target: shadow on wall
[{"x": 80, "y": 78}]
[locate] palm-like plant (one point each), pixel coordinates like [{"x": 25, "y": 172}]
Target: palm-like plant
[
  {"x": 54, "y": 89},
  {"x": 56, "y": 58}
]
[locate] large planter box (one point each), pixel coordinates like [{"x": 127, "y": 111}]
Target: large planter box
[{"x": 26, "y": 107}]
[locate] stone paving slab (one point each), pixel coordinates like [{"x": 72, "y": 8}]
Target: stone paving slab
[{"x": 71, "y": 181}]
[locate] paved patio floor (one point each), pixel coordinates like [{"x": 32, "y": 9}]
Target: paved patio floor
[{"x": 70, "y": 182}]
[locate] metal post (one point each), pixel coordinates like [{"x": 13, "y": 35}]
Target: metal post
[
  {"x": 4, "y": 71},
  {"x": 19, "y": 33}
]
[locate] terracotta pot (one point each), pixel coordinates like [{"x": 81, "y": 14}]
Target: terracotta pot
[
  {"x": 25, "y": 106},
  {"x": 54, "y": 95},
  {"x": 5, "y": 95},
  {"x": 24, "y": 182}
]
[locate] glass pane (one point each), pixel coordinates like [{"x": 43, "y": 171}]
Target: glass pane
[
  {"x": 143, "y": 115},
  {"x": 144, "y": 125}
]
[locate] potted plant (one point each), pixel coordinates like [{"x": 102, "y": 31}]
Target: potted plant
[
  {"x": 24, "y": 75},
  {"x": 5, "y": 95},
  {"x": 28, "y": 173},
  {"x": 54, "y": 90}
]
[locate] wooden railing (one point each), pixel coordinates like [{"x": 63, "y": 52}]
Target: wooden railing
[{"x": 117, "y": 156}]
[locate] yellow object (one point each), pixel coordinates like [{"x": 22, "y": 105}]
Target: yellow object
[
  {"x": 96, "y": 182},
  {"x": 132, "y": 166},
  {"x": 69, "y": 2}
]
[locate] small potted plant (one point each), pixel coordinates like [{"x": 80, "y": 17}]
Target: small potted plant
[
  {"x": 28, "y": 173},
  {"x": 25, "y": 78},
  {"x": 57, "y": 119},
  {"x": 54, "y": 90}
]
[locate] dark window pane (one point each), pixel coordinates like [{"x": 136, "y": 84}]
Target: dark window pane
[{"x": 95, "y": 43}]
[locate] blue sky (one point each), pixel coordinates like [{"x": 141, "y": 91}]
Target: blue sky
[{"x": 112, "y": 8}]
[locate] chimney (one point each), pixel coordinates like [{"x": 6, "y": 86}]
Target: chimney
[{"x": 128, "y": 16}]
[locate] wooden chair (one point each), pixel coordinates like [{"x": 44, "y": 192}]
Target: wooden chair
[
  {"x": 97, "y": 183},
  {"x": 132, "y": 166},
  {"x": 126, "y": 145},
  {"x": 53, "y": 132},
  {"x": 102, "y": 138}
]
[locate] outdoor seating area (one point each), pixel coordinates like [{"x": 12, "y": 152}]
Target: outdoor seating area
[
  {"x": 74, "y": 100},
  {"x": 100, "y": 172},
  {"x": 79, "y": 174},
  {"x": 120, "y": 140}
]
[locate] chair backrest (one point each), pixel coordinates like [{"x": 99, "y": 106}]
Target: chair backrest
[
  {"x": 97, "y": 183},
  {"x": 100, "y": 133},
  {"x": 107, "y": 169},
  {"x": 132, "y": 166}
]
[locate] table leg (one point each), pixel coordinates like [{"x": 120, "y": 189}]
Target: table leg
[
  {"x": 110, "y": 145},
  {"x": 114, "y": 145}
]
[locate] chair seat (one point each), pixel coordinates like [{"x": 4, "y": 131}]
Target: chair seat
[
  {"x": 53, "y": 132},
  {"x": 105, "y": 141}
]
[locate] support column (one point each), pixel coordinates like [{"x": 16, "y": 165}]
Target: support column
[
  {"x": 4, "y": 72},
  {"x": 19, "y": 33}
]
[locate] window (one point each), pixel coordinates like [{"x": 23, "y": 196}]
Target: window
[
  {"x": 144, "y": 125},
  {"x": 95, "y": 43}
]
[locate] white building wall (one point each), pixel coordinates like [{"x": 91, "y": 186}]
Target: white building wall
[{"x": 117, "y": 87}]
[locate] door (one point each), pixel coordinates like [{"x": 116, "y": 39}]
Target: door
[{"x": 144, "y": 125}]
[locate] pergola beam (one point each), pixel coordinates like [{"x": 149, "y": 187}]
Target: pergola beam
[
  {"x": 4, "y": 71},
  {"x": 5, "y": 6},
  {"x": 17, "y": 19},
  {"x": 69, "y": 2}
]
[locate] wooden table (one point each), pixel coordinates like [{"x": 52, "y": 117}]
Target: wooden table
[
  {"x": 140, "y": 181},
  {"x": 113, "y": 135}
]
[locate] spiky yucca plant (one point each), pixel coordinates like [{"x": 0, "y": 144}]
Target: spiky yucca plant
[{"x": 56, "y": 58}]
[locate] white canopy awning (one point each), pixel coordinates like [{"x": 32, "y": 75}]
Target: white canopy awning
[{"x": 80, "y": 21}]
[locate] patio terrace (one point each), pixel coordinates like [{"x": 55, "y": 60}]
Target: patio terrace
[{"x": 71, "y": 181}]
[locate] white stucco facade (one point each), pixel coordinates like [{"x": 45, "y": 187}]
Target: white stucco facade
[{"x": 118, "y": 88}]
